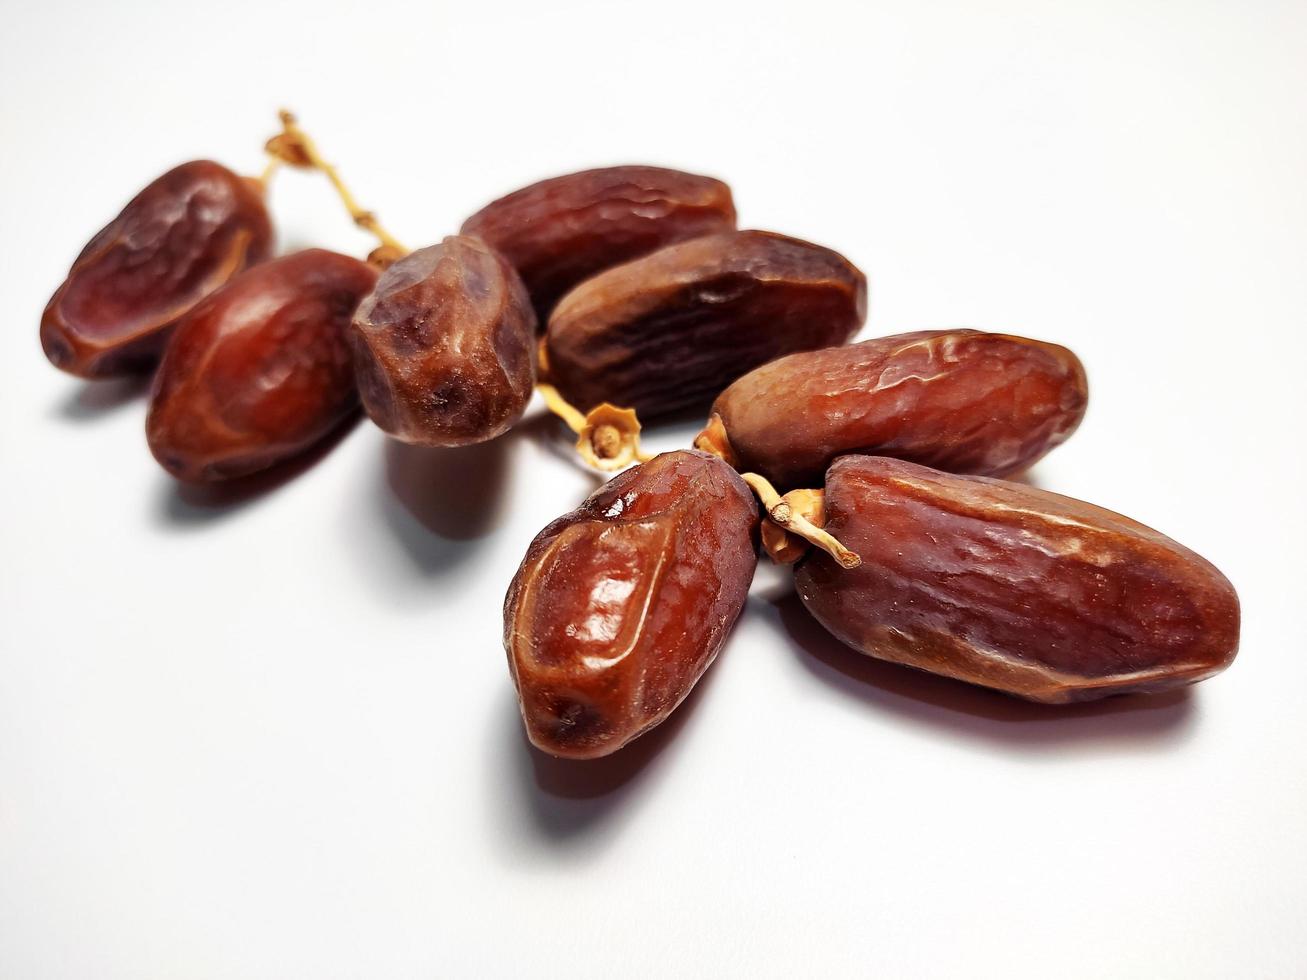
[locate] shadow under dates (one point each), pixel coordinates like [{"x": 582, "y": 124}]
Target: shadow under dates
[
  {"x": 436, "y": 501},
  {"x": 568, "y": 798},
  {"x": 455, "y": 493},
  {"x": 195, "y": 505},
  {"x": 554, "y": 437},
  {"x": 975, "y": 712},
  {"x": 94, "y": 399}
]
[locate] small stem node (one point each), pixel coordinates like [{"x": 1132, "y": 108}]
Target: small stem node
[
  {"x": 799, "y": 513},
  {"x": 782, "y": 513},
  {"x": 294, "y": 147},
  {"x": 607, "y": 437}
]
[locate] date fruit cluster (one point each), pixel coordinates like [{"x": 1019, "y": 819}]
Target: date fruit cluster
[
  {"x": 876, "y": 469},
  {"x": 892, "y": 452}
]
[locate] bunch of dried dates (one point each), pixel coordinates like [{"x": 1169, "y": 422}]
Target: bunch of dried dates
[{"x": 876, "y": 469}]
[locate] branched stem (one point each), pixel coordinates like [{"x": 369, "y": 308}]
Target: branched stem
[
  {"x": 294, "y": 146},
  {"x": 782, "y": 513}
]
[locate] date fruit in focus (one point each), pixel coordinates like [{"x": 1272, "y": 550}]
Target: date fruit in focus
[
  {"x": 561, "y": 231},
  {"x": 958, "y": 400},
  {"x": 259, "y": 371},
  {"x": 176, "y": 242},
  {"x": 620, "y": 606},
  {"x": 672, "y": 329},
  {"x": 444, "y": 345},
  {"x": 1018, "y": 589}
]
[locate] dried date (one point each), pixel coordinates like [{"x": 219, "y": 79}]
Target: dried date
[
  {"x": 620, "y": 606},
  {"x": 260, "y": 370},
  {"x": 672, "y": 329},
  {"x": 444, "y": 345},
  {"x": 1015, "y": 588},
  {"x": 958, "y": 400},
  {"x": 561, "y": 231},
  {"x": 177, "y": 241}
]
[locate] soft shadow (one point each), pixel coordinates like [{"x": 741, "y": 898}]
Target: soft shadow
[
  {"x": 976, "y": 711},
  {"x": 455, "y": 493},
  {"x": 93, "y": 399},
  {"x": 437, "y": 502},
  {"x": 186, "y": 504},
  {"x": 566, "y": 797},
  {"x": 550, "y": 433}
]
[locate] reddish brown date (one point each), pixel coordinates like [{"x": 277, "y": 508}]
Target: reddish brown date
[
  {"x": 957, "y": 400},
  {"x": 1015, "y": 588},
  {"x": 672, "y": 329},
  {"x": 260, "y": 370},
  {"x": 559, "y": 232},
  {"x": 444, "y": 346},
  {"x": 176, "y": 242},
  {"x": 620, "y": 606}
]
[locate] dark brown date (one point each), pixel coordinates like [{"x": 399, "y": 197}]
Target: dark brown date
[
  {"x": 444, "y": 346},
  {"x": 260, "y": 370},
  {"x": 957, "y": 400},
  {"x": 562, "y": 231},
  {"x": 176, "y": 242},
  {"x": 672, "y": 329},
  {"x": 620, "y": 606},
  {"x": 1015, "y": 588}
]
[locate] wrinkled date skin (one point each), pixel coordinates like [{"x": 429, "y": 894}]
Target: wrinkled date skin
[
  {"x": 260, "y": 371},
  {"x": 620, "y": 606},
  {"x": 560, "y": 232},
  {"x": 672, "y": 329},
  {"x": 177, "y": 241},
  {"x": 958, "y": 400},
  {"x": 1014, "y": 588},
  {"x": 444, "y": 346}
]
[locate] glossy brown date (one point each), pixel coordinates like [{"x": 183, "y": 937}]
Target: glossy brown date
[
  {"x": 444, "y": 345},
  {"x": 177, "y": 241},
  {"x": 561, "y": 231},
  {"x": 1014, "y": 588},
  {"x": 260, "y": 370},
  {"x": 957, "y": 400},
  {"x": 672, "y": 329},
  {"x": 620, "y": 606}
]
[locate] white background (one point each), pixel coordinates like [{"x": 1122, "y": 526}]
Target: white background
[{"x": 277, "y": 738}]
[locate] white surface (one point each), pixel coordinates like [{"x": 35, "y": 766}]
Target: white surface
[{"x": 278, "y": 740}]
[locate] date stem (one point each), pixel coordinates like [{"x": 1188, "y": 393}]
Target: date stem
[
  {"x": 557, "y": 404},
  {"x": 713, "y": 440},
  {"x": 295, "y": 147},
  {"x": 265, "y": 178},
  {"x": 608, "y": 437},
  {"x": 787, "y": 514}
]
